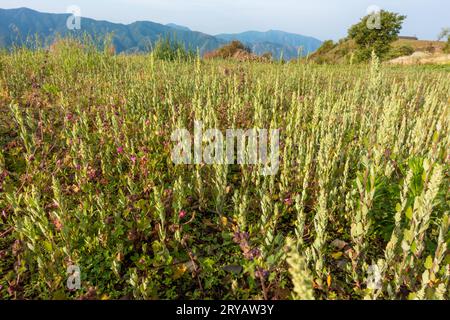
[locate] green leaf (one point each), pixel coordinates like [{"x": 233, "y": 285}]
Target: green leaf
[
  {"x": 414, "y": 247},
  {"x": 336, "y": 255},
  {"x": 48, "y": 246},
  {"x": 412, "y": 296},
  {"x": 426, "y": 277},
  {"x": 429, "y": 263},
  {"x": 409, "y": 213}
]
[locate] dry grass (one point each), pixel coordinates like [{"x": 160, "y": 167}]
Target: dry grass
[
  {"x": 421, "y": 45},
  {"x": 422, "y": 58}
]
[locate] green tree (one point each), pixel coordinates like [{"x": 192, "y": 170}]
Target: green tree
[
  {"x": 445, "y": 33},
  {"x": 326, "y": 46},
  {"x": 375, "y": 32}
]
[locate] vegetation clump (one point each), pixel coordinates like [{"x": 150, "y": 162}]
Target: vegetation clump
[
  {"x": 445, "y": 33},
  {"x": 237, "y": 51},
  {"x": 401, "y": 51},
  {"x": 171, "y": 50},
  {"x": 370, "y": 37}
]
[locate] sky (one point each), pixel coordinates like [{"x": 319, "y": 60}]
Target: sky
[{"x": 323, "y": 19}]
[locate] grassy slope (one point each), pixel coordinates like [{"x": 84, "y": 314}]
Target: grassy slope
[
  {"x": 341, "y": 53},
  {"x": 420, "y": 45}
]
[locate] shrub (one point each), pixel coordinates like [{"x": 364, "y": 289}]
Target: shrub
[
  {"x": 268, "y": 56},
  {"x": 326, "y": 46},
  {"x": 447, "y": 46},
  {"x": 401, "y": 51},
  {"x": 166, "y": 49},
  {"x": 229, "y": 50},
  {"x": 445, "y": 34}
]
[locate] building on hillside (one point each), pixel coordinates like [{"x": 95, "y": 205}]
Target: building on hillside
[{"x": 408, "y": 38}]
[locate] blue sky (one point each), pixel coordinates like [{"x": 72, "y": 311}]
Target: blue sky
[{"x": 324, "y": 19}]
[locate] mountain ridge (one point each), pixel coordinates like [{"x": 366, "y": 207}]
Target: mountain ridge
[
  {"x": 261, "y": 42},
  {"x": 16, "y": 25}
]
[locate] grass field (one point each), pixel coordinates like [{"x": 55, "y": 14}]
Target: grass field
[
  {"x": 358, "y": 209},
  {"x": 421, "y": 45}
]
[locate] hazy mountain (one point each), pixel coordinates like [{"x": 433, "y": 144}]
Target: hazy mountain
[
  {"x": 178, "y": 27},
  {"x": 275, "y": 41},
  {"x": 17, "y": 25}
]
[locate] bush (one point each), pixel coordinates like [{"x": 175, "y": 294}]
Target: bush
[
  {"x": 168, "y": 50},
  {"x": 268, "y": 56},
  {"x": 402, "y": 51},
  {"x": 445, "y": 33},
  {"x": 229, "y": 50},
  {"x": 326, "y": 46},
  {"x": 447, "y": 46}
]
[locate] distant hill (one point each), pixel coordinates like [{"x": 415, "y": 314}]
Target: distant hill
[
  {"x": 276, "y": 42},
  {"x": 178, "y": 27},
  {"x": 17, "y": 25}
]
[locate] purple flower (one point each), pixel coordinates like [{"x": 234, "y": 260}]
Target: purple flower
[
  {"x": 251, "y": 254},
  {"x": 239, "y": 237},
  {"x": 288, "y": 201},
  {"x": 182, "y": 214},
  {"x": 255, "y": 253},
  {"x": 120, "y": 150},
  {"x": 261, "y": 273},
  {"x": 133, "y": 159}
]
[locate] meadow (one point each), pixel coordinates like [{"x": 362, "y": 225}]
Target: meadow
[{"x": 359, "y": 208}]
